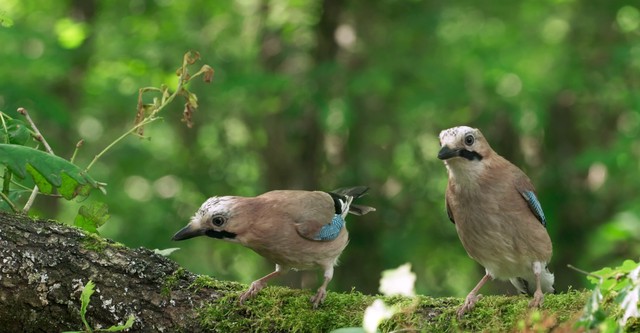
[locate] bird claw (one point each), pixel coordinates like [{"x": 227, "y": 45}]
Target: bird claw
[
  {"x": 253, "y": 290},
  {"x": 469, "y": 303},
  {"x": 318, "y": 298},
  {"x": 538, "y": 298}
]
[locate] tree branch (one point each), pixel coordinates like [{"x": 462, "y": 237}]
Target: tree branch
[{"x": 45, "y": 264}]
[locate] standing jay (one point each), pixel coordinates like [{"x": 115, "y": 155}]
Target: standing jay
[
  {"x": 497, "y": 215},
  {"x": 298, "y": 230}
]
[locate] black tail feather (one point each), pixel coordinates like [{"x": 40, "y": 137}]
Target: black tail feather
[{"x": 355, "y": 192}]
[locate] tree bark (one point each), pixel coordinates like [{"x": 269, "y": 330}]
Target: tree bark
[{"x": 44, "y": 266}]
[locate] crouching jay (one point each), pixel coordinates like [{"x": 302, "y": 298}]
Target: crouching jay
[
  {"x": 497, "y": 215},
  {"x": 298, "y": 230}
]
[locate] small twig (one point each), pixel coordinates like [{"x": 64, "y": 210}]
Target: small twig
[
  {"x": 40, "y": 138},
  {"x": 32, "y": 198},
  {"x": 6, "y": 199},
  {"x": 150, "y": 118},
  {"x": 120, "y": 138},
  {"x": 584, "y": 272},
  {"x": 75, "y": 152}
]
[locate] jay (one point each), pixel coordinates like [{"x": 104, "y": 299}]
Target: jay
[
  {"x": 299, "y": 230},
  {"x": 497, "y": 215}
]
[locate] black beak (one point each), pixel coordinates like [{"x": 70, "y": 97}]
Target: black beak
[
  {"x": 186, "y": 233},
  {"x": 446, "y": 153}
]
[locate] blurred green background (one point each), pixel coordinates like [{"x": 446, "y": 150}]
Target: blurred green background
[{"x": 326, "y": 94}]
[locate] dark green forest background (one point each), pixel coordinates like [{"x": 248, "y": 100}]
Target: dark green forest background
[{"x": 326, "y": 94}]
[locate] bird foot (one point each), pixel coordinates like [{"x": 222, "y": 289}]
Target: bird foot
[
  {"x": 538, "y": 298},
  {"x": 253, "y": 290},
  {"x": 319, "y": 297},
  {"x": 469, "y": 303}
]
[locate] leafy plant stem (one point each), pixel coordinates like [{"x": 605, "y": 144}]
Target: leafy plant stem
[
  {"x": 11, "y": 204},
  {"x": 75, "y": 152},
  {"x": 148, "y": 119},
  {"x": 116, "y": 141},
  {"x": 40, "y": 138},
  {"x": 32, "y": 198},
  {"x": 7, "y": 173},
  {"x": 584, "y": 272},
  {"x": 6, "y": 183}
]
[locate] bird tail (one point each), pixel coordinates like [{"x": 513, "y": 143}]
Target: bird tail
[
  {"x": 348, "y": 194},
  {"x": 528, "y": 285}
]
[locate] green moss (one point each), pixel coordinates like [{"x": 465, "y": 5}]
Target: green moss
[
  {"x": 207, "y": 282},
  {"x": 95, "y": 243},
  {"x": 172, "y": 281},
  {"x": 278, "y": 309}
]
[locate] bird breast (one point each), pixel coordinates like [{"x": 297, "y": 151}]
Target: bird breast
[{"x": 502, "y": 236}]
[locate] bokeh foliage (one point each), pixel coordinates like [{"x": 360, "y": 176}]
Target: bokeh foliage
[{"x": 325, "y": 94}]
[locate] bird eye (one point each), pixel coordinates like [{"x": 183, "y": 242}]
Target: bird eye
[
  {"x": 469, "y": 140},
  {"x": 218, "y": 220}
]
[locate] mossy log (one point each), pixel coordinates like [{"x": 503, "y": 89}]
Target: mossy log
[{"x": 45, "y": 264}]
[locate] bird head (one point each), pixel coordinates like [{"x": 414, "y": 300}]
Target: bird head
[
  {"x": 213, "y": 219},
  {"x": 463, "y": 144}
]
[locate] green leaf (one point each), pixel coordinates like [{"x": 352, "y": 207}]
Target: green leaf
[
  {"x": 48, "y": 171},
  {"x": 43, "y": 185},
  {"x": 16, "y": 132},
  {"x": 92, "y": 217},
  {"x": 608, "y": 284},
  {"x": 604, "y": 273},
  {"x": 628, "y": 266},
  {"x": 118, "y": 328},
  {"x": 84, "y": 299}
]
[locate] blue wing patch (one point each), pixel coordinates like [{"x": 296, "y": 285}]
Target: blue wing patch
[
  {"x": 332, "y": 230},
  {"x": 535, "y": 207}
]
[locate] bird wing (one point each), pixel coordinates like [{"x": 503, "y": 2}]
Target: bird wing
[
  {"x": 326, "y": 232},
  {"x": 312, "y": 213},
  {"x": 449, "y": 212},
  {"x": 528, "y": 192}
]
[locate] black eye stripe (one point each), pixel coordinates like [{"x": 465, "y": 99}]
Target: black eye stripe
[
  {"x": 220, "y": 234},
  {"x": 470, "y": 155}
]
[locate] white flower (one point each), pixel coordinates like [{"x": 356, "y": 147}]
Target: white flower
[
  {"x": 634, "y": 275},
  {"x": 630, "y": 305},
  {"x": 630, "y": 302},
  {"x": 375, "y": 314},
  {"x": 399, "y": 281}
]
